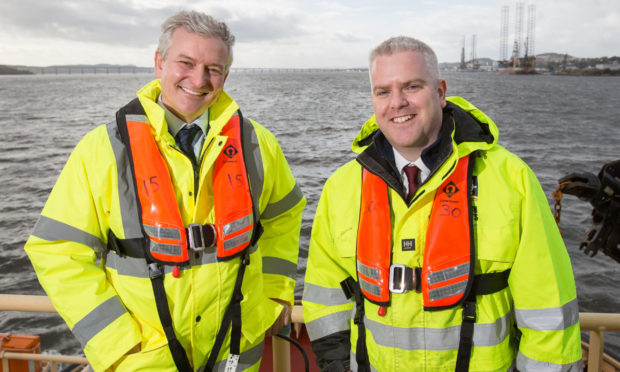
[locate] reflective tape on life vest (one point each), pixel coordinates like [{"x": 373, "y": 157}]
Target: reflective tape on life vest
[{"x": 374, "y": 243}]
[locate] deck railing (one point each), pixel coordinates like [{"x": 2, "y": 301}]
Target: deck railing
[{"x": 596, "y": 323}]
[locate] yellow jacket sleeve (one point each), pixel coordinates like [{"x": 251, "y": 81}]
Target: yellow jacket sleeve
[
  {"x": 64, "y": 247},
  {"x": 281, "y": 205}
]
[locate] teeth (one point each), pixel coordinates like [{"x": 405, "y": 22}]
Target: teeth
[
  {"x": 402, "y": 119},
  {"x": 191, "y": 91}
]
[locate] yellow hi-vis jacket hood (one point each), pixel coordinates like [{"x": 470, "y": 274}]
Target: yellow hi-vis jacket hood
[
  {"x": 531, "y": 325},
  {"x": 110, "y": 306}
]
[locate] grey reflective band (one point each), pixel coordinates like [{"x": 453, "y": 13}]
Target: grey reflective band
[
  {"x": 448, "y": 274},
  {"x": 102, "y": 316},
  {"x": 135, "y": 117},
  {"x": 279, "y": 266},
  {"x": 324, "y": 296},
  {"x": 237, "y": 240},
  {"x": 367, "y": 271},
  {"x": 162, "y": 232},
  {"x": 53, "y": 230},
  {"x": 369, "y": 287},
  {"x": 329, "y": 324},
  {"x": 237, "y": 225},
  {"x": 420, "y": 338},
  {"x": 169, "y": 249},
  {"x": 284, "y": 204},
  {"x": 549, "y": 319},
  {"x": 247, "y": 359},
  {"x": 126, "y": 188},
  {"x": 254, "y": 161},
  {"x": 527, "y": 364},
  {"x": 447, "y": 291}
]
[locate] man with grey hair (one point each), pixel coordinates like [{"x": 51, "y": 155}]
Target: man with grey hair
[
  {"x": 435, "y": 249},
  {"x": 170, "y": 239}
]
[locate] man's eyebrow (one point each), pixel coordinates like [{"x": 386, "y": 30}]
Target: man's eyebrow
[{"x": 408, "y": 82}]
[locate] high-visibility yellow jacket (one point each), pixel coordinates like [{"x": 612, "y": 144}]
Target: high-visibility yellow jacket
[
  {"x": 107, "y": 300},
  {"x": 513, "y": 229}
]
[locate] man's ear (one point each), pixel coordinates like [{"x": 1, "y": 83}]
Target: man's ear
[
  {"x": 159, "y": 64},
  {"x": 442, "y": 87}
]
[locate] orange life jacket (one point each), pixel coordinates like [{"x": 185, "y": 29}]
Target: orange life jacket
[
  {"x": 448, "y": 252},
  {"x": 161, "y": 218}
]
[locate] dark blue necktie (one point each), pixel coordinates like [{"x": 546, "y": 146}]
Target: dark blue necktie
[{"x": 185, "y": 140}]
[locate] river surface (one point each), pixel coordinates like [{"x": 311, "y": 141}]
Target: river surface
[{"x": 557, "y": 124}]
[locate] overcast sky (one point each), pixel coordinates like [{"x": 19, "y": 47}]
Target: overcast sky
[{"x": 296, "y": 34}]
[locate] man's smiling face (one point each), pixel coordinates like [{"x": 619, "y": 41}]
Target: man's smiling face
[
  {"x": 408, "y": 101},
  {"x": 192, "y": 73}
]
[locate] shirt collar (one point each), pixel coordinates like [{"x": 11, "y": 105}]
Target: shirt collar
[
  {"x": 175, "y": 124},
  {"x": 401, "y": 162}
]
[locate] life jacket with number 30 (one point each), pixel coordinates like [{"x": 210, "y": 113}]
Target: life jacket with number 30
[{"x": 447, "y": 268}]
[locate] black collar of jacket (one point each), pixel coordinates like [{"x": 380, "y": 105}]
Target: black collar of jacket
[{"x": 378, "y": 157}]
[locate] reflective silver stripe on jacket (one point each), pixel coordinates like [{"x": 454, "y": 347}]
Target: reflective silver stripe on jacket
[
  {"x": 447, "y": 291},
  {"x": 324, "y": 296},
  {"x": 247, "y": 359},
  {"x": 284, "y": 204},
  {"x": 549, "y": 319},
  {"x": 328, "y": 324},
  {"x": 254, "y": 163},
  {"x": 279, "y": 266},
  {"x": 99, "y": 318},
  {"x": 126, "y": 188},
  {"x": 420, "y": 338},
  {"x": 527, "y": 364},
  {"x": 52, "y": 230},
  {"x": 448, "y": 274}
]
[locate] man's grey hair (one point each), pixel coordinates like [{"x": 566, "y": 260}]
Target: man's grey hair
[
  {"x": 407, "y": 44},
  {"x": 198, "y": 23}
]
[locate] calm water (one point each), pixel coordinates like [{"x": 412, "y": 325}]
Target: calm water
[{"x": 556, "y": 124}]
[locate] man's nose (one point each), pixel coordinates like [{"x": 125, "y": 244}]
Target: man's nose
[
  {"x": 398, "y": 99},
  {"x": 200, "y": 78}
]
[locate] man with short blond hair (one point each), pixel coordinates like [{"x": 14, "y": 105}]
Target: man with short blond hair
[{"x": 435, "y": 249}]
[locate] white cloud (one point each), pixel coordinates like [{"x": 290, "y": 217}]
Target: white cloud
[{"x": 278, "y": 33}]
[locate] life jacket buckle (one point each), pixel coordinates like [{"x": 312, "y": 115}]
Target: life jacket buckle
[
  {"x": 404, "y": 278},
  {"x": 201, "y": 237}
]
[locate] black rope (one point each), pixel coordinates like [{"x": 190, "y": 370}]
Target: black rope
[{"x": 299, "y": 347}]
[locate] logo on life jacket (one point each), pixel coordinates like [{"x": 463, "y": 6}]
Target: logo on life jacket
[
  {"x": 450, "y": 189},
  {"x": 447, "y": 269},
  {"x": 230, "y": 151}
]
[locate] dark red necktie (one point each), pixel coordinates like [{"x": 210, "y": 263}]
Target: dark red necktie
[{"x": 412, "y": 177}]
